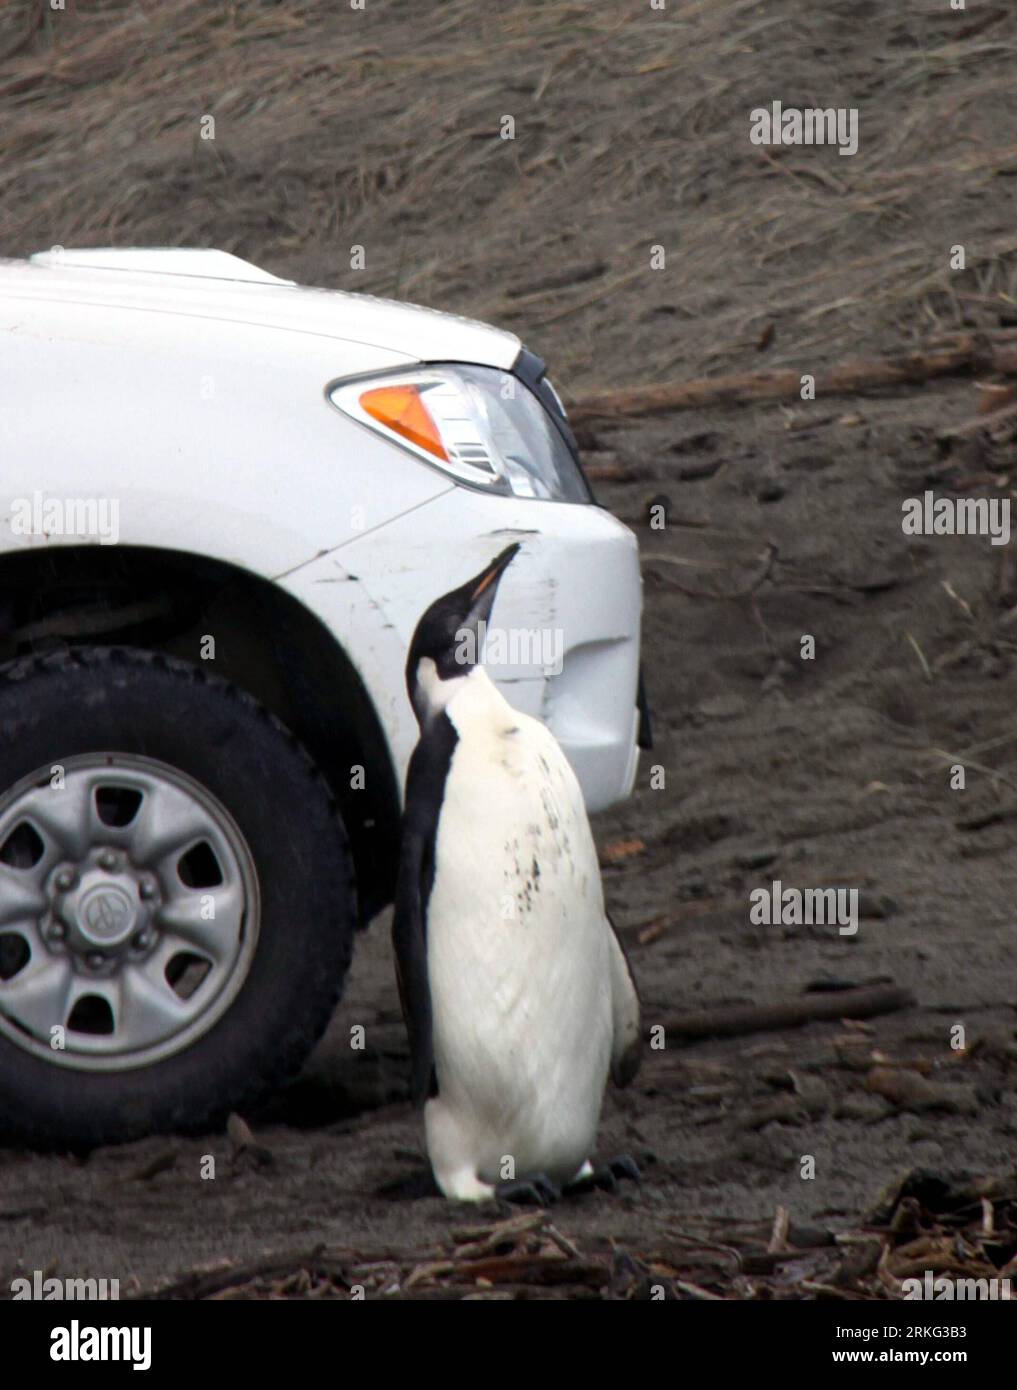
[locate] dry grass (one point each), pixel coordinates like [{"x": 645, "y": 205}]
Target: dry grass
[{"x": 337, "y": 127}]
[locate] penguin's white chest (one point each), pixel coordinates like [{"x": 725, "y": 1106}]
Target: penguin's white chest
[{"x": 517, "y": 947}]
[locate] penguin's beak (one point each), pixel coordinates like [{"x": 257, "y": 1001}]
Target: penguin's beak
[
  {"x": 490, "y": 578},
  {"x": 476, "y": 598}
]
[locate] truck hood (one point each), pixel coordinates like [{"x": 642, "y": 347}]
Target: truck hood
[{"x": 209, "y": 284}]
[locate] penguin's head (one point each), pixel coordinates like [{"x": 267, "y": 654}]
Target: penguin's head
[{"x": 447, "y": 642}]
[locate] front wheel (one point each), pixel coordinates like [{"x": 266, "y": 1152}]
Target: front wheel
[{"x": 176, "y": 898}]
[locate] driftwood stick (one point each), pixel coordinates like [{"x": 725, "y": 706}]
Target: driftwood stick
[
  {"x": 764, "y": 1018},
  {"x": 983, "y": 424},
  {"x": 970, "y": 353},
  {"x": 200, "y": 1284}
]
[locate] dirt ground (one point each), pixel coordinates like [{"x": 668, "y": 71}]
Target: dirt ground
[{"x": 783, "y": 520}]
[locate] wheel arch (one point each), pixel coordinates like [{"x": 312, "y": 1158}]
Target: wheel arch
[{"x": 266, "y": 641}]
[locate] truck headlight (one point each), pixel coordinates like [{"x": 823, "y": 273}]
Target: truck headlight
[{"x": 481, "y": 426}]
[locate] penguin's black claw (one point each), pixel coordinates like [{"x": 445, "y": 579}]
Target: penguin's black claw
[
  {"x": 606, "y": 1177},
  {"x": 537, "y": 1191},
  {"x": 624, "y": 1166},
  {"x": 599, "y": 1178}
]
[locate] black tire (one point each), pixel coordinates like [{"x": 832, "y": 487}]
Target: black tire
[{"x": 96, "y": 699}]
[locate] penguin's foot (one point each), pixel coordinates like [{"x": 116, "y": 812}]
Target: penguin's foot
[
  {"x": 606, "y": 1177},
  {"x": 537, "y": 1190},
  {"x": 624, "y": 1166}
]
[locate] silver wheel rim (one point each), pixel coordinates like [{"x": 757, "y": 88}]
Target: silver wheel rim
[{"x": 129, "y": 912}]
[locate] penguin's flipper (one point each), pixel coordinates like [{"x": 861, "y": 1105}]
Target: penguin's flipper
[
  {"x": 409, "y": 941},
  {"x": 627, "y": 1044},
  {"x": 425, "y": 785}
]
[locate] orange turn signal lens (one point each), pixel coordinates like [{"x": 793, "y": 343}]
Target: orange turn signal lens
[{"x": 401, "y": 408}]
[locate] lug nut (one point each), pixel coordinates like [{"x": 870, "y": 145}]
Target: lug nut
[
  {"x": 95, "y": 960},
  {"x": 65, "y": 880},
  {"x": 107, "y": 859},
  {"x": 57, "y": 931},
  {"x": 147, "y": 889},
  {"x": 142, "y": 941}
]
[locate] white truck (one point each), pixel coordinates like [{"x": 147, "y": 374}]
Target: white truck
[{"x": 225, "y": 499}]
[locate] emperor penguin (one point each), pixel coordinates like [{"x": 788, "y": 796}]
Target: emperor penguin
[{"x": 517, "y": 995}]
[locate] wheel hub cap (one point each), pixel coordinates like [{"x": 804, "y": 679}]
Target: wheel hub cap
[
  {"x": 129, "y": 912},
  {"x": 106, "y": 915},
  {"x": 104, "y": 910}
]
